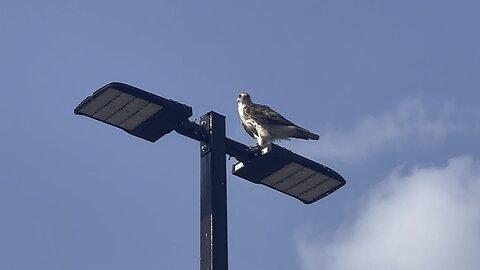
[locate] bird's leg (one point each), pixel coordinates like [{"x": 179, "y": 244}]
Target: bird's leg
[{"x": 260, "y": 142}]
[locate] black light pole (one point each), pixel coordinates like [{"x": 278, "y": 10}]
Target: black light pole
[
  {"x": 148, "y": 116},
  {"x": 213, "y": 195}
]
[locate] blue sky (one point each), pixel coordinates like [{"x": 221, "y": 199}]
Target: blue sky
[{"x": 392, "y": 87}]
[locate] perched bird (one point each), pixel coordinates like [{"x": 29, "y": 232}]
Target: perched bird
[{"x": 266, "y": 125}]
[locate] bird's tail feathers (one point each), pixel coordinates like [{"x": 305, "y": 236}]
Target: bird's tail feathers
[{"x": 302, "y": 133}]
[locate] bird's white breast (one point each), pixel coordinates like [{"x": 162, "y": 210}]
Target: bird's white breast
[
  {"x": 245, "y": 121},
  {"x": 248, "y": 122}
]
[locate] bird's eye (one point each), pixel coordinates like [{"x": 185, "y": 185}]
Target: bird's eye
[{"x": 240, "y": 95}]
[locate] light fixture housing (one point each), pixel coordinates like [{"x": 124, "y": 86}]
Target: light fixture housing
[
  {"x": 136, "y": 111},
  {"x": 289, "y": 173}
]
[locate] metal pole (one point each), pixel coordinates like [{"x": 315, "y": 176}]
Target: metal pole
[{"x": 213, "y": 195}]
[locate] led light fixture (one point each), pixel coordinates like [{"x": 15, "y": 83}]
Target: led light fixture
[
  {"x": 137, "y": 112},
  {"x": 287, "y": 172}
]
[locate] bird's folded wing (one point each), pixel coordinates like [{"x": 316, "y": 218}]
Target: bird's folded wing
[{"x": 266, "y": 115}]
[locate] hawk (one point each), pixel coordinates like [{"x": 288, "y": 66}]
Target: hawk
[{"x": 266, "y": 125}]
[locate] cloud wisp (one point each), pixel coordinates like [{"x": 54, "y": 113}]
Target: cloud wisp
[
  {"x": 411, "y": 122},
  {"x": 428, "y": 218}
]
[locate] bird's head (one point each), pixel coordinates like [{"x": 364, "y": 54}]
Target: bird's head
[{"x": 244, "y": 98}]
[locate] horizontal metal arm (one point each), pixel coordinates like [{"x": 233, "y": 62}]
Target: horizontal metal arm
[
  {"x": 193, "y": 131},
  {"x": 239, "y": 151}
]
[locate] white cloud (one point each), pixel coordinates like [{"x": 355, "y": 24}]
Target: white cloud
[
  {"x": 426, "y": 219},
  {"x": 410, "y": 123}
]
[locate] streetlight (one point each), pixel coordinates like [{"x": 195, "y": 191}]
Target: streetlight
[
  {"x": 287, "y": 172},
  {"x": 138, "y": 112},
  {"x": 150, "y": 117}
]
